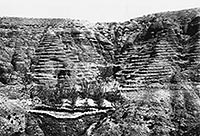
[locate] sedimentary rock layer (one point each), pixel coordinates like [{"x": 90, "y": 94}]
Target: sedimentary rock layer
[{"x": 146, "y": 70}]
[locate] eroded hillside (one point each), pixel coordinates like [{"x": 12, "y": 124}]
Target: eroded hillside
[{"x": 69, "y": 77}]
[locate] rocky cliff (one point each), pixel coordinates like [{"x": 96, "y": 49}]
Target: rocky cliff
[{"x": 70, "y": 77}]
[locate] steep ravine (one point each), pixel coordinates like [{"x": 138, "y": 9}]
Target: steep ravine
[{"x": 68, "y": 77}]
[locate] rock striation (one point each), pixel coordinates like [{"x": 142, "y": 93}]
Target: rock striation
[{"x": 139, "y": 77}]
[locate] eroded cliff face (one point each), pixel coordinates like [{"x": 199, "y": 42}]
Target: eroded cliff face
[{"x": 70, "y": 77}]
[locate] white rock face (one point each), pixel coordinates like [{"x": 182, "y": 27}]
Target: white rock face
[
  {"x": 82, "y": 102},
  {"x": 107, "y": 103}
]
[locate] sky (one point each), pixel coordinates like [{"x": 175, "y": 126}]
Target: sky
[{"x": 91, "y": 10}]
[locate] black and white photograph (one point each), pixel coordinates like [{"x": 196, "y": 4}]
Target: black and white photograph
[{"x": 99, "y": 67}]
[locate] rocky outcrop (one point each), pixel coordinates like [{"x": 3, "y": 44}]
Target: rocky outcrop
[{"x": 139, "y": 77}]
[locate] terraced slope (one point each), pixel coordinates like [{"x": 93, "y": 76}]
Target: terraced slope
[{"x": 145, "y": 70}]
